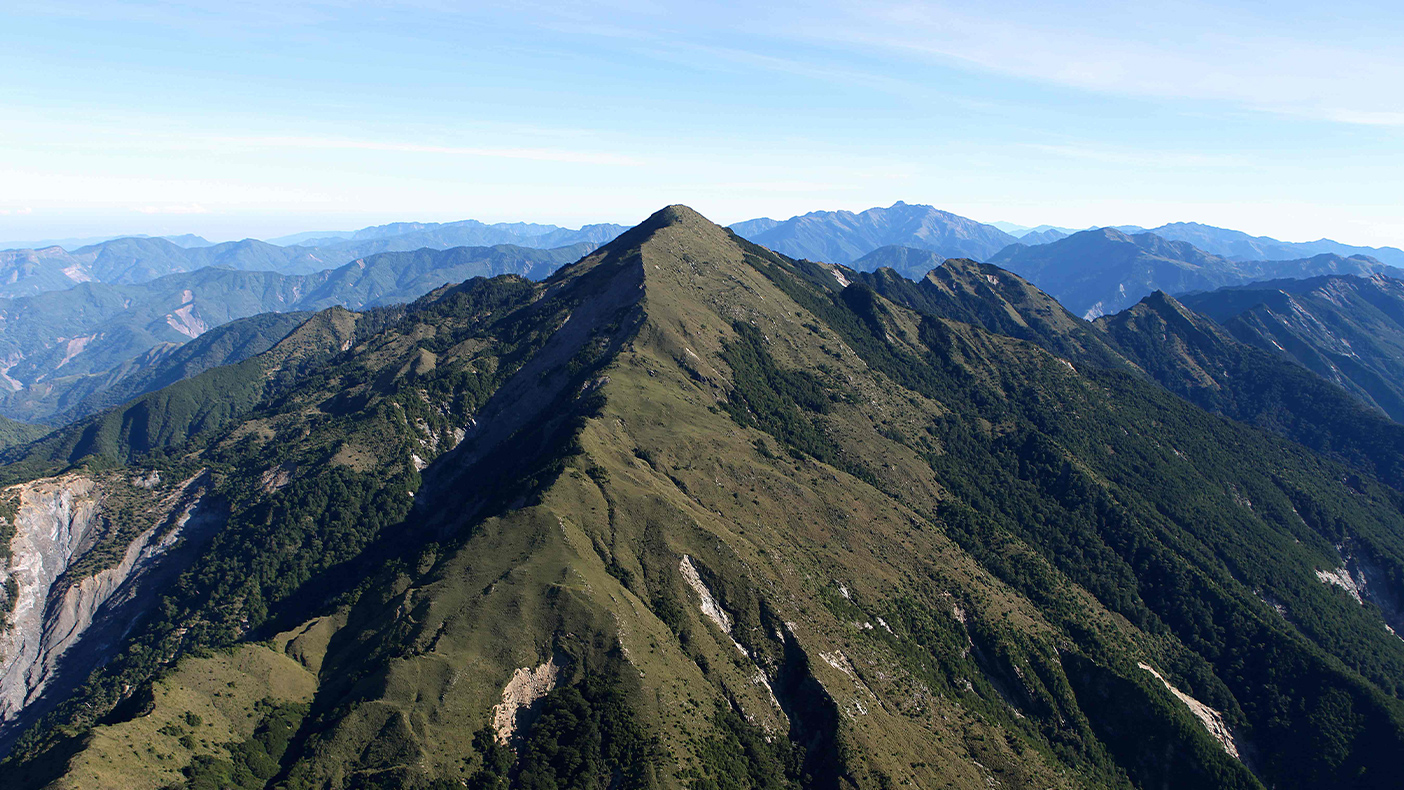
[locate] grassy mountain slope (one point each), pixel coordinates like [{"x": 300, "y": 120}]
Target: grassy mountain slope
[
  {"x": 1099, "y": 272},
  {"x": 693, "y": 514},
  {"x": 1347, "y": 329}
]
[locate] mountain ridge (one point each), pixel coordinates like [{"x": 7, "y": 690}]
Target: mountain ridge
[
  {"x": 1237, "y": 245},
  {"x": 1346, "y": 328}
]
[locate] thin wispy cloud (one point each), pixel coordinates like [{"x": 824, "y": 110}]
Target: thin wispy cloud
[
  {"x": 1193, "y": 51},
  {"x": 334, "y": 143},
  {"x": 1140, "y": 158},
  {"x": 187, "y": 208}
]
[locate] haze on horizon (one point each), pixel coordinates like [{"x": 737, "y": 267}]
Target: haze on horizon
[{"x": 260, "y": 119}]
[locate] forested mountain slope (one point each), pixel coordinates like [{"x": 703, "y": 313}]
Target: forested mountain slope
[
  {"x": 1163, "y": 341},
  {"x": 1195, "y": 358},
  {"x": 61, "y": 347},
  {"x": 1347, "y": 329},
  {"x": 692, "y": 514},
  {"x": 13, "y": 432}
]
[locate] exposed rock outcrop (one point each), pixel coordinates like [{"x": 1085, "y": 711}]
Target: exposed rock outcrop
[
  {"x": 54, "y": 520},
  {"x": 1362, "y": 578},
  {"x": 1212, "y": 720},
  {"x": 520, "y": 696},
  {"x": 62, "y": 626}
]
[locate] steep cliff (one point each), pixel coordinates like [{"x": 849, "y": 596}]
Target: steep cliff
[{"x": 75, "y": 581}]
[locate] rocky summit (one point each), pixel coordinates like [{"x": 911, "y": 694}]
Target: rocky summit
[{"x": 692, "y": 514}]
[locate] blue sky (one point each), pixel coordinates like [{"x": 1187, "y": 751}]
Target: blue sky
[{"x": 254, "y": 118}]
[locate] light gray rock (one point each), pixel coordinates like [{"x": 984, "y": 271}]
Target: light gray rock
[{"x": 61, "y": 627}]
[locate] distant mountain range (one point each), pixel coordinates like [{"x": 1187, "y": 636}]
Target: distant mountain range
[
  {"x": 1041, "y": 234},
  {"x": 829, "y": 236},
  {"x": 131, "y": 260},
  {"x": 60, "y": 348},
  {"x": 1098, "y": 272},
  {"x": 844, "y": 237},
  {"x": 1239, "y": 246},
  {"x": 442, "y": 235},
  {"x": 183, "y": 239},
  {"x": 73, "y": 344}
]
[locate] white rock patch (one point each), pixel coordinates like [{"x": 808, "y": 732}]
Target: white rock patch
[
  {"x": 1342, "y": 579},
  {"x": 526, "y": 687},
  {"x": 707, "y": 602},
  {"x": 838, "y": 661},
  {"x": 708, "y": 605},
  {"x": 1212, "y": 720}
]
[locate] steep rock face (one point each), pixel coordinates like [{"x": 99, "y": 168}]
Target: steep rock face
[
  {"x": 61, "y": 626},
  {"x": 54, "y": 520}
]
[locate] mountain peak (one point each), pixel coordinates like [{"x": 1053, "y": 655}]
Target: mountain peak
[
  {"x": 676, "y": 214},
  {"x": 845, "y": 236},
  {"x": 1111, "y": 234},
  {"x": 673, "y": 221},
  {"x": 1168, "y": 308}
]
